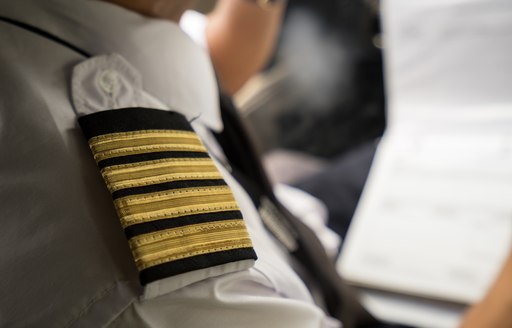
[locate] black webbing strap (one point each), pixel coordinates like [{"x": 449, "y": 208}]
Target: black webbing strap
[{"x": 339, "y": 298}]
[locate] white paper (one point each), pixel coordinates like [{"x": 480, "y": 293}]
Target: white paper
[{"x": 435, "y": 219}]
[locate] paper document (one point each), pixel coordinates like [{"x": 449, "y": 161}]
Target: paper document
[{"x": 435, "y": 218}]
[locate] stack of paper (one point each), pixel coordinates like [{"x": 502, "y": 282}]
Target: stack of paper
[{"x": 435, "y": 219}]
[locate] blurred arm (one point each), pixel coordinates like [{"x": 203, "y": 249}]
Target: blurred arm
[
  {"x": 171, "y": 10},
  {"x": 496, "y": 308},
  {"x": 241, "y": 37}
]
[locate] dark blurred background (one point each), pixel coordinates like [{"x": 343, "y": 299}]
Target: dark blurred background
[{"x": 325, "y": 91}]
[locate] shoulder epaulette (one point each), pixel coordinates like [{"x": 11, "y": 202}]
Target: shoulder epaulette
[{"x": 177, "y": 212}]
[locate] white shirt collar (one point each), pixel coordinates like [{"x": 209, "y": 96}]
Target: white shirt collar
[{"x": 173, "y": 68}]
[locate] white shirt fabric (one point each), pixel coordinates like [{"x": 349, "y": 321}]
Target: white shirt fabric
[
  {"x": 312, "y": 212},
  {"x": 194, "y": 24},
  {"x": 167, "y": 70}
]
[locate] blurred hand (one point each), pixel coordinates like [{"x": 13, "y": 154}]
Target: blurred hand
[{"x": 241, "y": 37}]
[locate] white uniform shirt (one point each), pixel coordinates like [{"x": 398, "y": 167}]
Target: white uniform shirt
[{"x": 166, "y": 69}]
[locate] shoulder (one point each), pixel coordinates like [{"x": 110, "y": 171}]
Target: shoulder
[{"x": 62, "y": 255}]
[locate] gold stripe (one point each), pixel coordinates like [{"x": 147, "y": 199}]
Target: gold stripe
[
  {"x": 177, "y": 160},
  {"x": 141, "y": 134},
  {"x": 140, "y": 199},
  {"x": 158, "y": 171},
  {"x": 127, "y": 151},
  {"x": 174, "y": 212},
  {"x": 141, "y": 142},
  {"x": 151, "y": 169},
  {"x": 200, "y": 249},
  {"x": 173, "y": 244},
  {"x": 147, "y": 203},
  {"x": 141, "y": 182}
]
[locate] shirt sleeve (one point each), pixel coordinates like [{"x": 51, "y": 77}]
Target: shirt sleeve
[{"x": 245, "y": 299}]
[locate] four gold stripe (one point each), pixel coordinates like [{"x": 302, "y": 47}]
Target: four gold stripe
[{"x": 153, "y": 248}]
